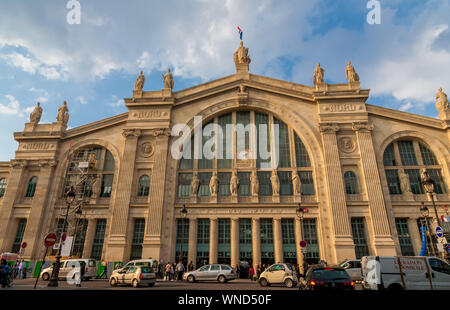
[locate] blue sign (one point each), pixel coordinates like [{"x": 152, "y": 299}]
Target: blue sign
[{"x": 439, "y": 232}]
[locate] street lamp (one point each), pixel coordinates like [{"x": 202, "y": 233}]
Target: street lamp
[
  {"x": 70, "y": 197},
  {"x": 428, "y": 183},
  {"x": 183, "y": 215},
  {"x": 300, "y": 212},
  {"x": 425, "y": 213}
]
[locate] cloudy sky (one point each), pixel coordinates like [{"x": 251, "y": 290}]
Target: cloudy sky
[{"x": 93, "y": 65}]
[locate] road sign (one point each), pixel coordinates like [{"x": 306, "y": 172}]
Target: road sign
[
  {"x": 50, "y": 239},
  {"x": 305, "y": 210},
  {"x": 63, "y": 237},
  {"x": 303, "y": 244},
  {"x": 24, "y": 245},
  {"x": 439, "y": 232}
]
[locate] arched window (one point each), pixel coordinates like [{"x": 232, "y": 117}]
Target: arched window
[
  {"x": 3, "y": 183},
  {"x": 414, "y": 156},
  {"x": 351, "y": 183},
  {"x": 31, "y": 188},
  {"x": 144, "y": 186}
]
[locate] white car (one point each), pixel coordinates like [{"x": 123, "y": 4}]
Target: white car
[
  {"x": 353, "y": 268},
  {"x": 66, "y": 266}
]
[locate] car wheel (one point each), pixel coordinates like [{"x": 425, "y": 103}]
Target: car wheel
[
  {"x": 222, "y": 279},
  {"x": 263, "y": 282},
  {"x": 289, "y": 283},
  {"x": 45, "y": 276},
  {"x": 135, "y": 283},
  {"x": 151, "y": 284},
  {"x": 191, "y": 279},
  {"x": 113, "y": 282}
]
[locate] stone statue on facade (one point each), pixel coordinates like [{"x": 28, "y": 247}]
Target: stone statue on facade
[
  {"x": 35, "y": 116},
  {"x": 63, "y": 114},
  {"x": 351, "y": 74},
  {"x": 139, "y": 85},
  {"x": 234, "y": 184},
  {"x": 214, "y": 184},
  {"x": 254, "y": 182},
  {"x": 168, "y": 79},
  {"x": 195, "y": 183},
  {"x": 441, "y": 101},
  {"x": 318, "y": 75},
  {"x": 296, "y": 183},
  {"x": 241, "y": 56},
  {"x": 405, "y": 185},
  {"x": 275, "y": 183}
]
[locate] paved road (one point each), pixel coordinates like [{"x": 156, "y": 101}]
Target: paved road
[{"x": 239, "y": 284}]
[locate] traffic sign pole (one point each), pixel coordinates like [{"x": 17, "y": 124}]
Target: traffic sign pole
[{"x": 49, "y": 241}]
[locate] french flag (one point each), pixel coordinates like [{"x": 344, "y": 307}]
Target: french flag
[{"x": 240, "y": 32}]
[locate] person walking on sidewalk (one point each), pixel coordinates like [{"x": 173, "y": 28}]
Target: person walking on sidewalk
[
  {"x": 105, "y": 271},
  {"x": 22, "y": 267}
]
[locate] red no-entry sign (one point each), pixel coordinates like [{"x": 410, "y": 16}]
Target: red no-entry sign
[
  {"x": 24, "y": 245},
  {"x": 303, "y": 244},
  {"x": 50, "y": 240}
]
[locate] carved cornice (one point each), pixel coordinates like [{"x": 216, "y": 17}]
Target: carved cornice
[
  {"x": 131, "y": 133},
  {"x": 16, "y": 164},
  {"x": 329, "y": 128},
  {"x": 47, "y": 163},
  {"x": 160, "y": 132},
  {"x": 363, "y": 126}
]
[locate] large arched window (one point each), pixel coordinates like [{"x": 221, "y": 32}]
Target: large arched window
[
  {"x": 31, "y": 188},
  {"x": 144, "y": 186},
  {"x": 351, "y": 183},
  {"x": 103, "y": 167},
  {"x": 3, "y": 183},
  {"x": 410, "y": 157},
  {"x": 248, "y": 142}
]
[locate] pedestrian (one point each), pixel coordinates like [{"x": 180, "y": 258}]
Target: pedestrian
[
  {"x": 172, "y": 271},
  {"x": 104, "y": 271},
  {"x": 167, "y": 272},
  {"x": 80, "y": 273},
  {"x": 258, "y": 272},
  {"x": 180, "y": 270},
  {"x": 22, "y": 268},
  {"x": 251, "y": 273},
  {"x": 16, "y": 269},
  {"x": 190, "y": 266},
  {"x": 3, "y": 272}
]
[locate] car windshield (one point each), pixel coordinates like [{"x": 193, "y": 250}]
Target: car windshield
[
  {"x": 146, "y": 270},
  {"x": 145, "y": 264},
  {"x": 329, "y": 274}
]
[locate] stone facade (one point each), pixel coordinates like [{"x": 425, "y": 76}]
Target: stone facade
[{"x": 340, "y": 132}]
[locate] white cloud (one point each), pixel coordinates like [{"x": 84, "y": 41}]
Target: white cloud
[
  {"x": 82, "y": 100},
  {"x": 12, "y": 107},
  {"x": 31, "y": 66},
  {"x": 117, "y": 103},
  {"x": 406, "y": 106}
]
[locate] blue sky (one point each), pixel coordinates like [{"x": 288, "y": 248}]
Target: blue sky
[{"x": 93, "y": 65}]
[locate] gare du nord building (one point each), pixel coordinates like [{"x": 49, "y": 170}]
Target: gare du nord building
[{"x": 348, "y": 158}]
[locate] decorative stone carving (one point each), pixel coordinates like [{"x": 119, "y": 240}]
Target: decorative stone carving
[
  {"x": 63, "y": 114},
  {"x": 241, "y": 56},
  {"x": 362, "y": 126},
  {"x": 16, "y": 164},
  {"x": 234, "y": 184},
  {"x": 296, "y": 183},
  {"x": 37, "y": 146},
  {"x": 195, "y": 183},
  {"x": 242, "y": 95},
  {"x": 35, "y": 116},
  {"x": 351, "y": 74},
  {"x": 329, "y": 128},
  {"x": 45, "y": 163},
  {"x": 139, "y": 85},
  {"x": 318, "y": 77},
  {"x": 160, "y": 132},
  {"x": 168, "y": 79},
  {"x": 131, "y": 133},
  {"x": 404, "y": 181},
  {"x": 147, "y": 149},
  {"x": 441, "y": 101},
  {"x": 275, "y": 183},
  {"x": 254, "y": 183},
  {"x": 214, "y": 184},
  {"x": 346, "y": 144}
]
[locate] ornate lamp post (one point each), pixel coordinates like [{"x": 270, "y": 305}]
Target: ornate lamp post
[
  {"x": 70, "y": 197},
  {"x": 183, "y": 216},
  {"x": 425, "y": 213},
  {"x": 428, "y": 184},
  {"x": 300, "y": 212}
]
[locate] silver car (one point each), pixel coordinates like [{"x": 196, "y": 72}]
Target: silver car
[{"x": 216, "y": 272}]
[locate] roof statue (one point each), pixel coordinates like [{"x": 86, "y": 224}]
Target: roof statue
[
  {"x": 241, "y": 55},
  {"x": 351, "y": 74},
  {"x": 35, "y": 116},
  {"x": 139, "y": 85},
  {"x": 441, "y": 101},
  {"x": 318, "y": 75},
  {"x": 168, "y": 79},
  {"x": 63, "y": 114}
]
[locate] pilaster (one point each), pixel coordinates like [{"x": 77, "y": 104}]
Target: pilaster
[
  {"x": 277, "y": 240},
  {"x": 234, "y": 239},
  {"x": 213, "y": 240},
  {"x": 298, "y": 238},
  {"x": 90, "y": 234},
  {"x": 256, "y": 242},
  {"x": 192, "y": 245}
]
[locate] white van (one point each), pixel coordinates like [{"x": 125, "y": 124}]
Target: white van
[
  {"x": 405, "y": 272},
  {"x": 66, "y": 266},
  {"x": 141, "y": 262}
]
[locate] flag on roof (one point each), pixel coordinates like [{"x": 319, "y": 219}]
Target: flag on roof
[{"x": 240, "y": 32}]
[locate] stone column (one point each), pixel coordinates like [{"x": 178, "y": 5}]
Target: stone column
[
  {"x": 89, "y": 240},
  {"x": 117, "y": 242},
  {"x": 7, "y": 224},
  {"x": 213, "y": 240},
  {"x": 278, "y": 240},
  {"x": 152, "y": 240},
  {"x": 343, "y": 240},
  {"x": 298, "y": 238},
  {"x": 234, "y": 239},
  {"x": 192, "y": 247},
  {"x": 256, "y": 240},
  {"x": 416, "y": 237},
  {"x": 34, "y": 231},
  {"x": 382, "y": 240}
]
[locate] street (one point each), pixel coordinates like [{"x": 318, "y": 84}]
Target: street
[{"x": 103, "y": 284}]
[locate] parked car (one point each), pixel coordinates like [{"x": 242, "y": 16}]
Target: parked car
[
  {"x": 68, "y": 265},
  {"x": 405, "y": 272},
  {"x": 216, "y": 272},
  {"x": 279, "y": 274},
  {"x": 134, "y": 275},
  {"x": 353, "y": 268},
  {"x": 319, "y": 277},
  {"x": 141, "y": 262}
]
